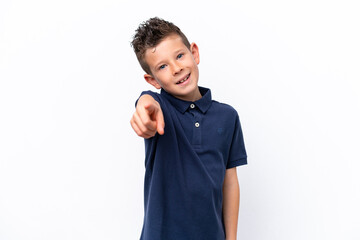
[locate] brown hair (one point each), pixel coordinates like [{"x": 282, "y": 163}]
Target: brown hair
[{"x": 151, "y": 33}]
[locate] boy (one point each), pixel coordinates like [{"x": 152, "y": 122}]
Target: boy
[{"x": 192, "y": 143}]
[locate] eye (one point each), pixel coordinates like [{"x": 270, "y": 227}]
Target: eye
[
  {"x": 162, "y": 66},
  {"x": 180, "y": 55}
]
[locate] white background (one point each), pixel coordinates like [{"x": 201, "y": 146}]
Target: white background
[{"x": 71, "y": 166}]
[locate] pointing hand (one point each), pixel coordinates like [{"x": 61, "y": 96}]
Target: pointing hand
[{"x": 148, "y": 117}]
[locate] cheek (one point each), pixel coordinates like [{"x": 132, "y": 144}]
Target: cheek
[
  {"x": 196, "y": 69},
  {"x": 191, "y": 59},
  {"x": 161, "y": 79},
  {"x": 193, "y": 62}
]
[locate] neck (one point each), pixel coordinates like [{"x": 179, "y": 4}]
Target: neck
[{"x": 194, "y": 97}]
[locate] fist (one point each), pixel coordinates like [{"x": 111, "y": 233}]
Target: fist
[{"x": 148, "y": 117}]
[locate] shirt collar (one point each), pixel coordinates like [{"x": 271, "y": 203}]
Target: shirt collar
[{"x": 203, "y": 103}]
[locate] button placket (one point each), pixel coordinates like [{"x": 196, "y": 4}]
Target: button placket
[{"x": 197, "y": 128}]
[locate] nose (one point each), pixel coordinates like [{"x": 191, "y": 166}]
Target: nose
[{"x": 176, "y": 68}]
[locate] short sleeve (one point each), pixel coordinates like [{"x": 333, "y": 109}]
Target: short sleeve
[{"x": 237, "y": 154}]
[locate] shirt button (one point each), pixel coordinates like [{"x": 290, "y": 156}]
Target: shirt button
[
  {"x": 197, "y": 124},
  {"x": 192, "y": 105}
]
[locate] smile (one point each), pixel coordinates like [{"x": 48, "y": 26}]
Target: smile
[{"x": 184, "y": 79}]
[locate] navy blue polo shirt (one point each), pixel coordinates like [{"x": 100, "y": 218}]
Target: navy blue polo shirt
[{"x": 185, "y": 168}]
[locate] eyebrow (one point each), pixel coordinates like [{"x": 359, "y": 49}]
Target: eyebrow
[{"x": 179, "y": 50}]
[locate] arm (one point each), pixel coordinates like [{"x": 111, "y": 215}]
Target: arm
[
  {"x": 148, "y": 117},
  {"x": 231, "y": 198}
]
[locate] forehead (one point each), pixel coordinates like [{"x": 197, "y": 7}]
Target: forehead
[{"x": 165, "y": 48}]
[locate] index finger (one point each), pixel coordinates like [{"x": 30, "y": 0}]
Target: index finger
[
  {"x": 160, "y": 123},
  {"x": 145, "y": 118}
]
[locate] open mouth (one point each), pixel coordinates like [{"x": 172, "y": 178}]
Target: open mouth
[{"x": 184, "y": 79}]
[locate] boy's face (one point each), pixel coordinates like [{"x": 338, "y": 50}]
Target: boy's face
[{"x": 174, "y": 68}]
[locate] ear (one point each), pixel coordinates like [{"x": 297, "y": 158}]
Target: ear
[
  {"x": 151, "y": 80},
  {"x": 195, "y": 52}
]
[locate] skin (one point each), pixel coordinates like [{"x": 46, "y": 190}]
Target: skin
[
  {"x": 171, "y": 61},
  {"x": 231, "y": 201}
]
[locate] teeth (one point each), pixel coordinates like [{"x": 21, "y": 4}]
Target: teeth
[{"x": 184, "y": 79}]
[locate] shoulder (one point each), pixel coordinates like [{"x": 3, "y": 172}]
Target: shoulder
[
  {"x": 160, "y": 98},
  {"x": 155, "y": 95},
  {"x": 224, "y": 108}
]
